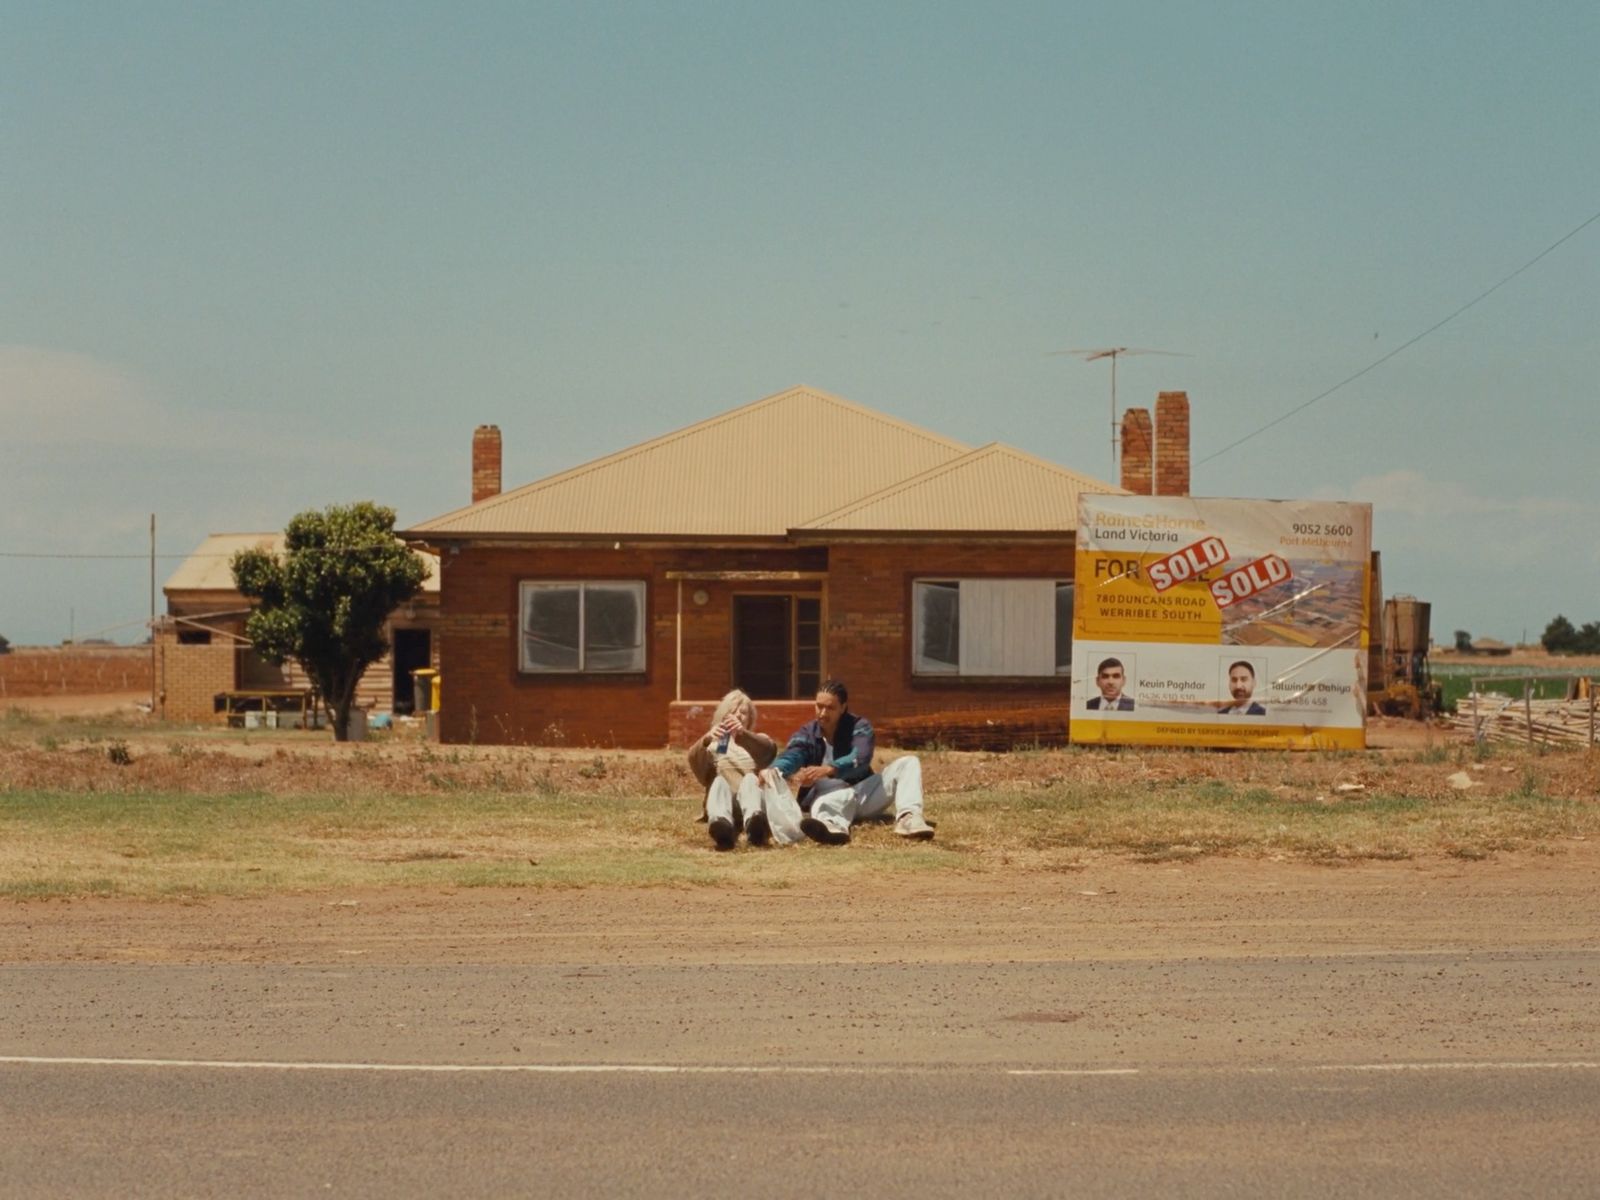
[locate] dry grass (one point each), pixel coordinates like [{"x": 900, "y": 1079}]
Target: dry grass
[{"x": 129, "y": 810}]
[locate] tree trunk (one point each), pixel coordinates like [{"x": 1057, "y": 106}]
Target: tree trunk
[
  {"x": 341, "y": 720},
  {"x": 341, "y": 700}
]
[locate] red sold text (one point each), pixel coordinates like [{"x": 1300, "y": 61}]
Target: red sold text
[
  {"x": 1188, "y": 563},
  {"x": 1249, "y": 579}
]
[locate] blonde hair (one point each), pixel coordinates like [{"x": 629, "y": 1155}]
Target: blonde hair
[{"x": 730, "y": 702}]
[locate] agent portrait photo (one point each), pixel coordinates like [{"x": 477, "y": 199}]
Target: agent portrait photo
[
  {"x": 1111, "y": 678},
  {"x": 1242, "y": 687}
]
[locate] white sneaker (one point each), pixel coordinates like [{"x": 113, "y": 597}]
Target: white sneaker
[{"x": 910, "y": 824}]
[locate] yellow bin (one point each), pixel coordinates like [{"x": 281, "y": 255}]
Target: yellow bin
[{"x": 425, "y": 684}]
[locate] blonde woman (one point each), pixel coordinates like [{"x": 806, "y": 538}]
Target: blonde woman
[{"x": 725, "y": 760}]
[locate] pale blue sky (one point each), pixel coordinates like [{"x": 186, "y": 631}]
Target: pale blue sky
[{"x": 268, "y": 258}]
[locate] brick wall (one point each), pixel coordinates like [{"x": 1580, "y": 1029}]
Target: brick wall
[
  {"x": 74, "y": 671},
  {"x": 190, "y": 676},
  {"x": 485, "y": 698},
  {"x": 869, "y": 624},
  {"x": 689, "y": 719}
]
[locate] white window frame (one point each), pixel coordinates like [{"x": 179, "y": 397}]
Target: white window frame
[
  {"x": 998, "y": 599},
  {"x": 641, "y": 595}
]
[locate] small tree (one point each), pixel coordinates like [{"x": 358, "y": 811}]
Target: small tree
[
  {"x": 5, "y": 645},
  {"x": 1463, "y": 641},
  {"x": 325, "y": 601}
]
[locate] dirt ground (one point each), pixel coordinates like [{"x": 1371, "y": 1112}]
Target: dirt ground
[
  {"x": 122, "y": 705},
  {"x": 1218, "y": 908}
]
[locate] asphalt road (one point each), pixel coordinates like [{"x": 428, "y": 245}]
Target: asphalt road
[
  {"x": 147, "y": 1131},
  {"x": 1419, "y": 1074}
]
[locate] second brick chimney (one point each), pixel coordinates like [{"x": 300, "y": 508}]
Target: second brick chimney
[
  {"x": 485, "y": 462},
  {"x": 1172, "y": 444}
]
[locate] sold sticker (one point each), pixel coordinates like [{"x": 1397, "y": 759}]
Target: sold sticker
[
  {"x": 1249, "y": 580},
  {"x": 1186, "y": 564}
]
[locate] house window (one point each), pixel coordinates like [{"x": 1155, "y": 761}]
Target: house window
[
  {"x": 593, "y": 628},
  {"x": 1000, "y": 628}
]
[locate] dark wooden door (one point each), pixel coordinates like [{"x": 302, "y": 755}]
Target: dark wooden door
[
  {"x": 762, "y": 646},
  {"x": 411, "y": 653}
]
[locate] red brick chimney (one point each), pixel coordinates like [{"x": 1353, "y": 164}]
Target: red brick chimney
[
  {"x": 1136, "y": 447},
  {"x": 485, "y": 462},
  {"x": 1172, "y": 444}
]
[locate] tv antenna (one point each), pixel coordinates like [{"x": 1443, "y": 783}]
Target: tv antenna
[{"x": 1114, "y": 353}]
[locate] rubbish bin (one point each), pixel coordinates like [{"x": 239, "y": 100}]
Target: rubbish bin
[
  {"x": 356, "y": 730},
  {"x": 425, "y": 689}
]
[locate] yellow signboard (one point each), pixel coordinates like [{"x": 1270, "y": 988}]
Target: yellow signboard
[{"x": 1218, "y": 622}]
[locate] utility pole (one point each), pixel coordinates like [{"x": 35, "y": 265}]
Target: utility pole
[{"x": 152, "y": 615}]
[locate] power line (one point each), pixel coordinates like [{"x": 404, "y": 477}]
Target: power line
[
  {"x": 140, "y": 557},
  {"x": 1405, "y": 345},
  {"x": 184, "y": 557}
]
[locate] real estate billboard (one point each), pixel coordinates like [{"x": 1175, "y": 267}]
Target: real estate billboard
[{"x": 1216, "y": 622}]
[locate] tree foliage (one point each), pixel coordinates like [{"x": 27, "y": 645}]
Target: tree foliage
[
  {"x": 1463, "y": 640},
  {"x": 325, "y": 601},
  {"x": 1561, "y": 637},
  {"x": 5, "y": 645}
]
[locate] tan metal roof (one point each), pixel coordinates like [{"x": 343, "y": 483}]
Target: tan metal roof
[
  {"x": 209, "y": 568},
  {"x": 742, "y": 474},
  {"x": 993, "y": 489}
]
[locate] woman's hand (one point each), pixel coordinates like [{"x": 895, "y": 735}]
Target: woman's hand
[{"x": 725, "y": 728}]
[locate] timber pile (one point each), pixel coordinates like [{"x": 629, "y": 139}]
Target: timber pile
[
  {"x": 1506, "y": 719},
  {"x": 978, "y": 729}
]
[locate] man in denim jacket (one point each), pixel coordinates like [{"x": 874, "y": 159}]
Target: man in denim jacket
[{"x": 829, "y": 761}]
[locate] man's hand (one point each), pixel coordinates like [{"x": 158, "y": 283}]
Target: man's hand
[{"x": 806, "y": 776}]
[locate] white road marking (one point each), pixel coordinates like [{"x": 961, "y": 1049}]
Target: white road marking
[
  {"x": 1073, "y": 1071},
  {"x": 444, "y": 1068},
  {"x": 773, "y": 1069},
  {"x": 1463, "y": 1066}
]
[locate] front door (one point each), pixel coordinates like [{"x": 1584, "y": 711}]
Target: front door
[{"x": 777, "y": 646}]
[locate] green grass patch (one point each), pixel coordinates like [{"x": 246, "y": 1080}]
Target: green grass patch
[
  {"x": 158, "y": 844},
  {"x": 174, "y": 844}
]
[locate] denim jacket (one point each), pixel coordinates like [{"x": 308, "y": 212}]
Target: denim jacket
[{"x": 853, "y": 747}]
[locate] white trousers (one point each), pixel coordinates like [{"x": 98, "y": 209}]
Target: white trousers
[
  {"x": 720, "y": 798},
  {"x": 841, "y": 805}
]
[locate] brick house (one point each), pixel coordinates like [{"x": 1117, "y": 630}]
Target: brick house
[
  {"x": 201, "y": 650},
  {"x": 613, "y": 603}
]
